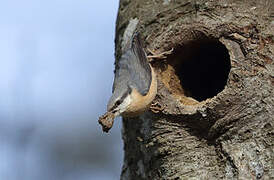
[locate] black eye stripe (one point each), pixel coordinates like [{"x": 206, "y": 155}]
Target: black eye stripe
[{"x": 118, "y": 102}]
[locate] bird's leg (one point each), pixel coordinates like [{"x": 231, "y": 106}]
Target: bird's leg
[{"x": 155, "y": 55}]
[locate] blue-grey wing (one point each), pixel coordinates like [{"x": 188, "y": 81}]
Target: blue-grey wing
[{"x": 133, "y": 69}]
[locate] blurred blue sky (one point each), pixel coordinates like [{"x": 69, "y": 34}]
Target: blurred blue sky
[{"x": 56, "y": 73}]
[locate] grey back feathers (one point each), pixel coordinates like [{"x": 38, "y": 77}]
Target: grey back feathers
[
  {"x": 131, "y": 71},
  {"x": 133, "y": 67}
]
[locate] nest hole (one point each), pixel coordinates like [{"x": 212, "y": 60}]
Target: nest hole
[{"x": 201, "y": 69}]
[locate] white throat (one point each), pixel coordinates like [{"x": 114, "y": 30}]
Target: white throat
[{"x": 123, "y": 106}]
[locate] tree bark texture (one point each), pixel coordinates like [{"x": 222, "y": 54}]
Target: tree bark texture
[{"x": 213, "y": 114}]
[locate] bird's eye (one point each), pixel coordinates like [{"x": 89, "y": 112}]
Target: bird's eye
[{"x": 118, "y": 102}]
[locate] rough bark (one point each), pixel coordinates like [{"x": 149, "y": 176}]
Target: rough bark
[{"x": 222, "y": 129}]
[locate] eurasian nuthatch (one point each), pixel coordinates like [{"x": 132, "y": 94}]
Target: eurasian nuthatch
[{"x": 135, "y": 84}]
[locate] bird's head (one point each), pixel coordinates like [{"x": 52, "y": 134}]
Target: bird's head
[{"x": 119, "y": 101}]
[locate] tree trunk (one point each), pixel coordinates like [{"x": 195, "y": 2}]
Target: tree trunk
[{"x": 213, "y": 114}]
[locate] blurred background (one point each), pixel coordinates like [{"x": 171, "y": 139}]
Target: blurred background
[{"x": 56, "y": 73}]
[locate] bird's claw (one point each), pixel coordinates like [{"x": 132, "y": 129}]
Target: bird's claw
[
  {"x": 156, "y": 108},
  {"x": 155, "y": 55}
]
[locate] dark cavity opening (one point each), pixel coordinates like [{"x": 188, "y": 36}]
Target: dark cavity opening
[{"x": 202, "y": 67}]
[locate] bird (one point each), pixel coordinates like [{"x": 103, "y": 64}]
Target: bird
[{"x": 135, "y": 84}]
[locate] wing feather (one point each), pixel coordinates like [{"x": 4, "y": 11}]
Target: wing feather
[{"x": 133, "y": 67}]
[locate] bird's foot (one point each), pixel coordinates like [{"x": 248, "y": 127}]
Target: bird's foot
[
  {"x": 155, "y": 55},
  {"x": 156, "y": 108}
]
